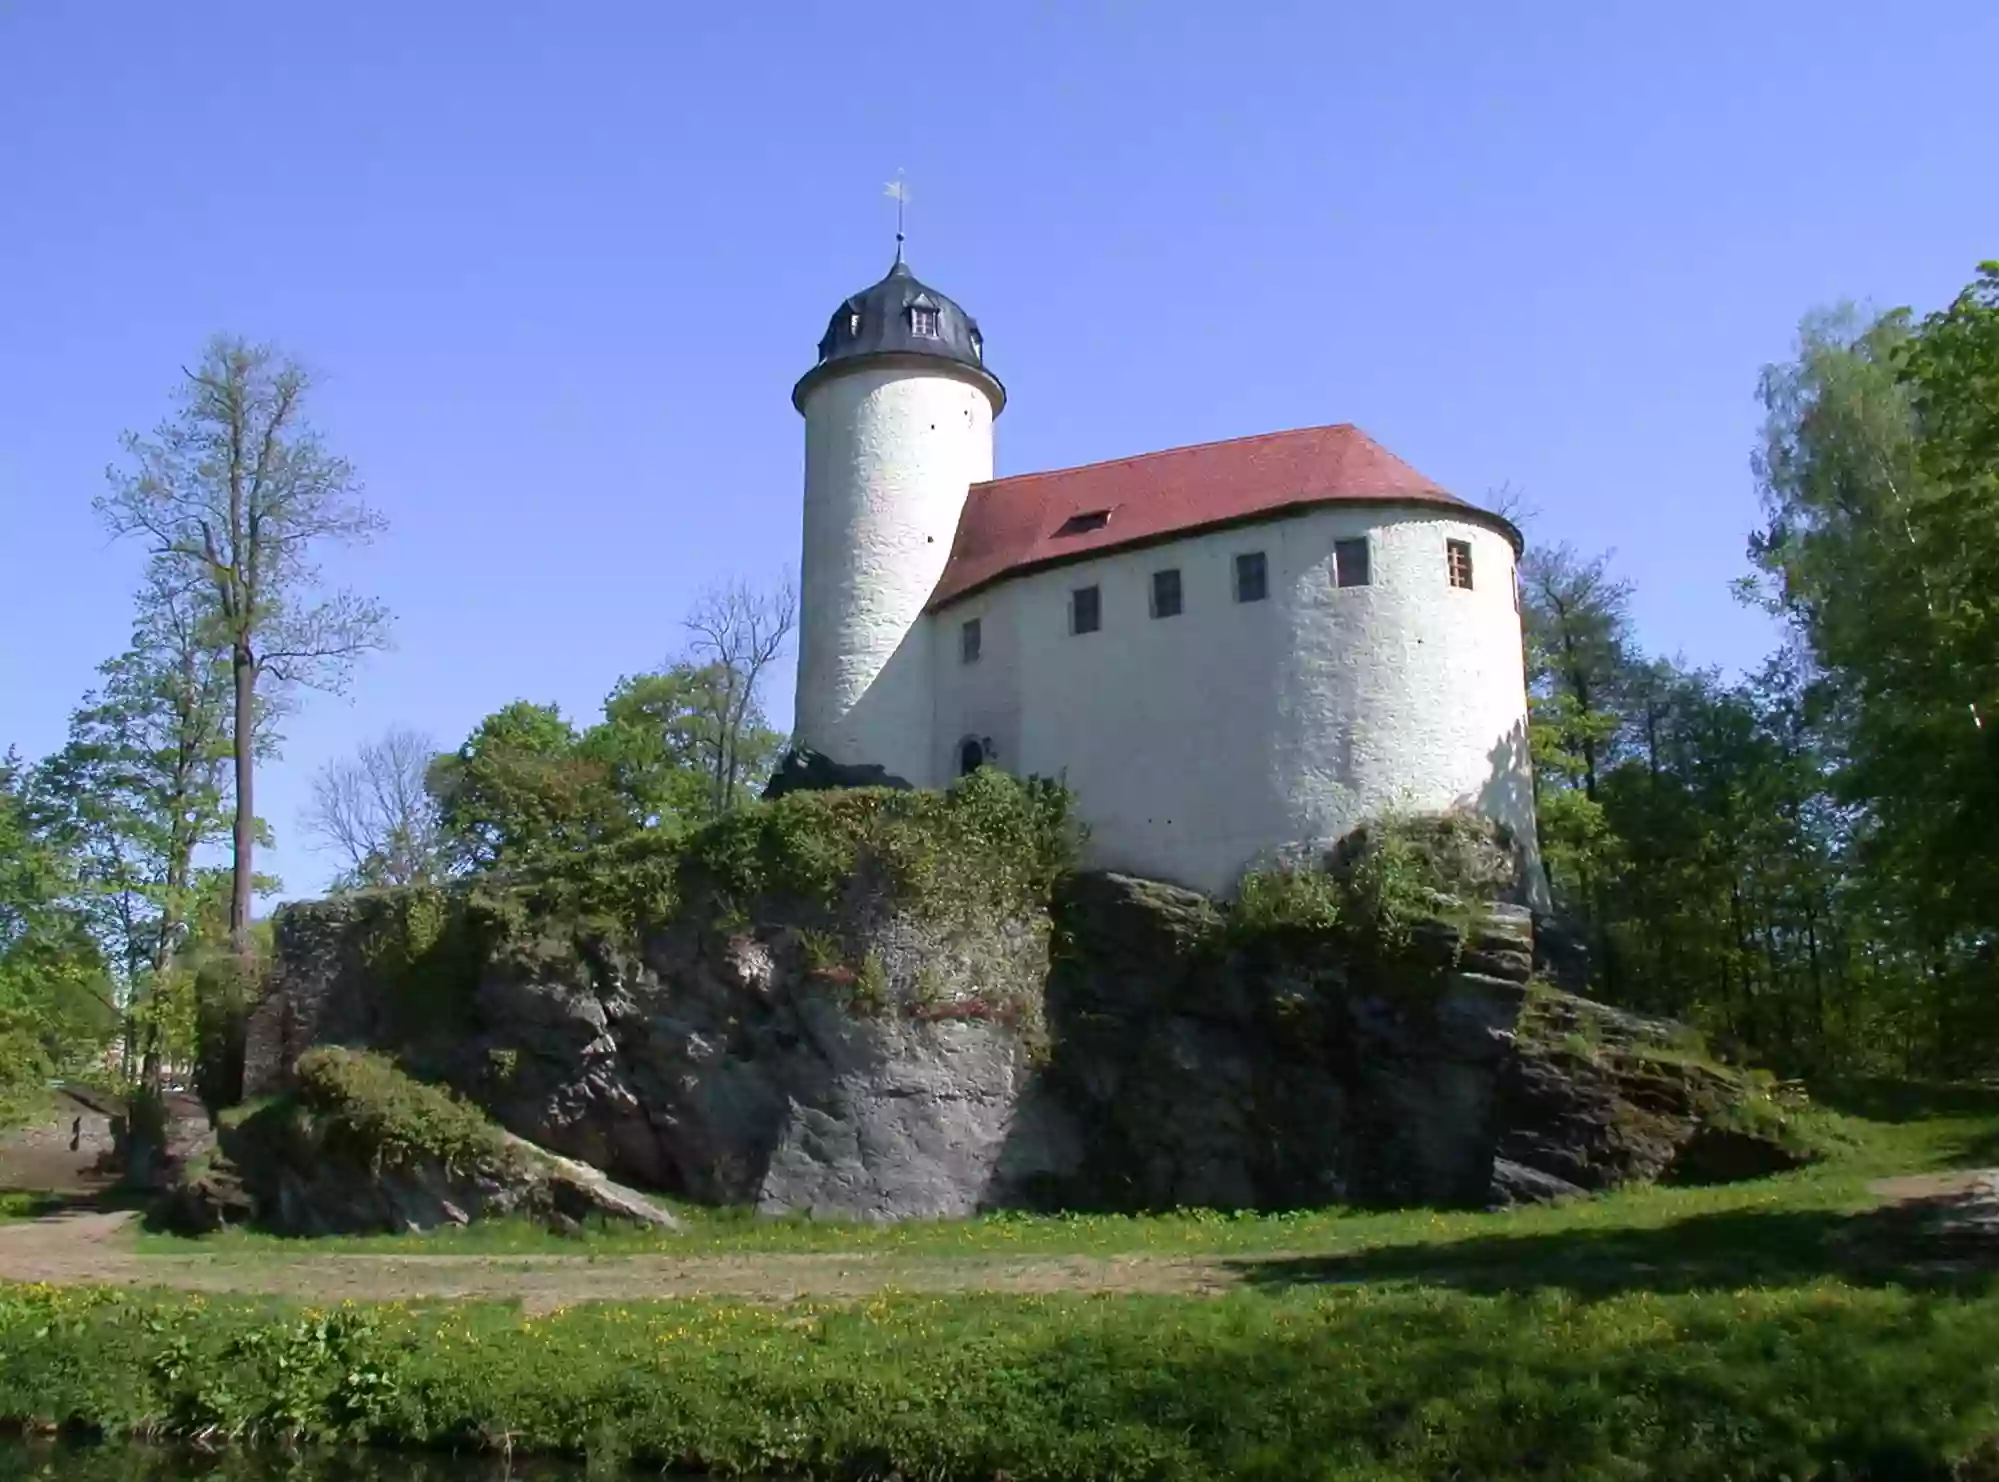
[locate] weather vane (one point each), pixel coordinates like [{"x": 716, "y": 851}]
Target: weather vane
[{"x": 898, "y": 191}]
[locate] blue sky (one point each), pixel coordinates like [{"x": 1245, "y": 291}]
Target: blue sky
[{"x": 559, "y": 264}]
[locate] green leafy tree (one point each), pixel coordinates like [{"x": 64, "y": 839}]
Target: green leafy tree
[
  {"x": 139, "y": 788},
  {"x": 1881, "y": 502},
  {"x": 238, "y": 498},
  {"x": 527, "y": 783},
  {"x": 56, "y": 1009},
  {"x": 523, "y": 786}
]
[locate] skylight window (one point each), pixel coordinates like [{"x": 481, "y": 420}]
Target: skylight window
[{"x": 1085, "y": 521}]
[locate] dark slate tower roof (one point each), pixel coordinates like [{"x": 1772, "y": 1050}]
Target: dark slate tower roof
[{"x": 895, "y": 319}]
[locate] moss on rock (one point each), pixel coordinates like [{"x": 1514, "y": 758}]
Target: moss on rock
[{"x": 368, "y": 1108}]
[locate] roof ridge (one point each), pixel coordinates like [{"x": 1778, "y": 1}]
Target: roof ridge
[{"x": 1220, "y": 442}]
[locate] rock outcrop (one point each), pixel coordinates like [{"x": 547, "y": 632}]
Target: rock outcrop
[
  {"x": 854, "y": 1045},
  {"x": 872, "y": 1069},
  {"x": 358, "y": 1147}
]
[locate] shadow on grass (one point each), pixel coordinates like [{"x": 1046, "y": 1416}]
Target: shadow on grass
[
  {"x": 1884, "y": 1100},
  {"x": 35, "y": 1204},
  {"x": 1914, "y": 1246}
]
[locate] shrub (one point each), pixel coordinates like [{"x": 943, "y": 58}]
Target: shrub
[
  {"x": 992, "y": 839},
  {"x": 364, "y": 1104},
  {"x": 1380, "y": 881}
]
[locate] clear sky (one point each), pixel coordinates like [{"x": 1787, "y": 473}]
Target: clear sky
[{"x": 559, "y": 264}]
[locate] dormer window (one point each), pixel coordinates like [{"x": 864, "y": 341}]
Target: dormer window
[
  {"x": 978, "y": 347},
  {"x": 1084, "y": 522},
  {"x": 853, "y": 324},
  {"x": 922, "y": 321}
]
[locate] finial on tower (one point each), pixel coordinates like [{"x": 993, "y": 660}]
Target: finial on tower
[{"x": 898, "y": 191}]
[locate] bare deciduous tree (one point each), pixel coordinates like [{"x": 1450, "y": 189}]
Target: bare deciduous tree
[
  {"x": 740, "y": 630},
  {"x": 237, "y": 491},
  {"x": 374, "y": 810}
]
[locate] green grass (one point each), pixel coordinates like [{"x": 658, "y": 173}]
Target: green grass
[
  {"x": 27, "y": 1204},
  {"x": 1303, "y": 1382},
  {"x": 1762, "y": 1330}
]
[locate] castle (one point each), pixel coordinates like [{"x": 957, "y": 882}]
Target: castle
[{"x": 1230, "y": 652}]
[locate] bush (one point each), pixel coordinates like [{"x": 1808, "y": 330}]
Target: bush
[
  {"x": 226, "y": 989},
  {"x": 365, "y": 1105},
  {"x": 990, "y": 840},
  {"x": 1380, "y": 881}
]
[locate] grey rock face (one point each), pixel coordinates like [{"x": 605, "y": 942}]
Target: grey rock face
[
  {"x": 870, "y": 1068},
  {"x": 283, "y": 1172},
  {"x": 885, "y": 1067},
  {"x": 1281, "y": 1075}
]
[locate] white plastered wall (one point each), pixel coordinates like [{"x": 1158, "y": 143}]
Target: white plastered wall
[
  {"x": 1201, "y": 743},
  {"x": 890, "y": 454}
]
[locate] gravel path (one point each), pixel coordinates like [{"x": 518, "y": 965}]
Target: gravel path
[{"x": 91, "y": 1248}]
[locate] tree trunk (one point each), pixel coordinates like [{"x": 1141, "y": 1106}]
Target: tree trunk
[{"x": 243, "y": 741}]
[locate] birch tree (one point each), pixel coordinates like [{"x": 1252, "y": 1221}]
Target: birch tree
[
  {"x": 375, "y": 811},
  {"x": 740, "y": 632},
  {"x": 237, "y": 494}
]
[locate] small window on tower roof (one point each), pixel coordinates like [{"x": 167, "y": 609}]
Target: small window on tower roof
[
  {"x": 922, "y": 320},
  {"x": 1084, "y": 521},
  {"x": 853, "y": 323},
  {"x": 978, "y": 346}
]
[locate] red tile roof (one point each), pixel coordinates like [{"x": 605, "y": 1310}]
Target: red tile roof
[{"x": 1015, "y": 525}]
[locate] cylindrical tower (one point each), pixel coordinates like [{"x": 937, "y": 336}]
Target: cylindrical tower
[{"x": 898, "y": 426}]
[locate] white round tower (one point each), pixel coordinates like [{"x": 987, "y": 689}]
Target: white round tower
[{"x": 898, "y": 426}]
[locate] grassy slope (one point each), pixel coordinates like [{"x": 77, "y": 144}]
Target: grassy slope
[{"x": 1734, "y": 1333}]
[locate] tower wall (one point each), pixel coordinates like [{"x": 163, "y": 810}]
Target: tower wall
[
  {"x": 890, "y": 452},
  {"x": 1234, "y": 732}
]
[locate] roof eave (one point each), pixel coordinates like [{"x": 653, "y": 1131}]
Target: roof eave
[
  {"x": 1289, "y": 510},
  {"x": 828, "y": 370}
]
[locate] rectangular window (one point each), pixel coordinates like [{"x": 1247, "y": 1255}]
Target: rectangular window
[
  {"x": 968, "y": 643},
  {"x": 1457, "y": 556},
  {"x": 1166, "y": 593},
  {"x": 923, "y": 321},
  {"x": 1350, "y": 563},
  {"x": 1084, "y": 610},
  {"x": 1252, "y": 577}
]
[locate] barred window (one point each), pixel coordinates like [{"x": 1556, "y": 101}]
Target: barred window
[{"x": 1457, "y": 557}]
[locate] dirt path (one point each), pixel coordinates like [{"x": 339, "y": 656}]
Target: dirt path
[
  {"x": 94, "y": 1248},
  {"x": 58, "y": 1154}
]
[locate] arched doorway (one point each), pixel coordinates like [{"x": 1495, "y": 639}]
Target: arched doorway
[{"x": 971, "y": 756}]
